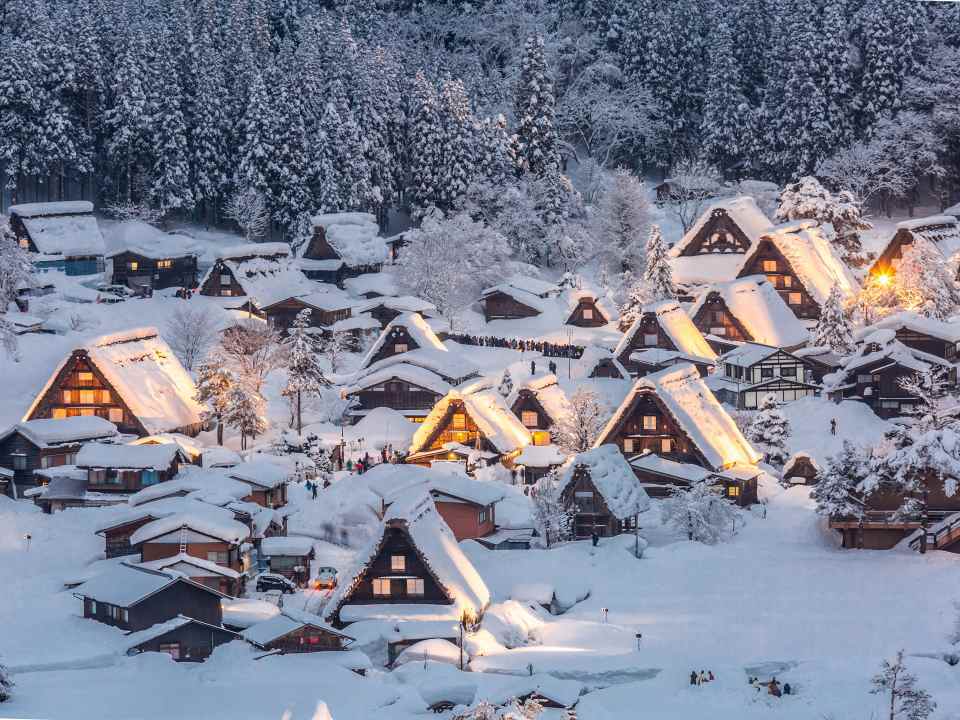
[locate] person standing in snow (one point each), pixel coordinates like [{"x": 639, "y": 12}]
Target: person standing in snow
[
  {"x": 693, "y": 677},
  {"x": 833, "y": 426},
  {"x": 702, "y": 680},
  {"x": 595, "y": 539},
  {"x": 710, "y": 677},
  {"x": 314, "y": 490}
]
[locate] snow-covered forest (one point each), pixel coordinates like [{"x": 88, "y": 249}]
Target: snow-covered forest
[{"x": 343, "y": 105}]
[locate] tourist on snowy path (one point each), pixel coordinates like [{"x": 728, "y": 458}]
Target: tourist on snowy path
[
  {"x": 314, "y": 489},
  {"x": 533, "y": 368},
  {"x": 833, "y": 426},
  {"x": 787, "y": 689},
  {"x": 693, "y": 677}
]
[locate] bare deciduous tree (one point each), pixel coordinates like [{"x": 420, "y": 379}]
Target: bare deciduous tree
[
  {"x": 252, "y": 348},
  {"x": 248, "y": 208},
  {"x": 191, "y": 332},
  {"x": 692, "y": 183}
]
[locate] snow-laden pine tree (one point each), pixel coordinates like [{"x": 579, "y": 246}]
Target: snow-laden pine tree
[
  {"x": 214, "y": 381},
  {"x": 354, "y": 187},
  {"x": 726, "y": 110},
  {"x": 289, "y": 169},
  {"x": 506, "y": 384},
  {"x": 6, "y": 684},
  {"x": 636, "y": 296},
  {"x": 657, "y": 273},
  {"x": 425, "y": 146},
  {"x": 210, "y": 132},
  {"x": 127, "y": 120},
  {"x": 534, "y": 108},
  {"x": 700, "y": 512},
  {"x": 245, "y": 410},
  {"x": 459, "y": 143},
  {"x": 809, "y": 199},
  {"x": 577, "y": 429},
  {"x": 620, "y": 224},
  {"x": 304, "y": 372},
  {"x": 495, "y": 160},
  {"x": 837, "y": 490},
  {"x": 481, "y": 710},
  {"x": 833, "y": 329},
  {"x": 550, "y": 514},
  {"x": 903, "y": 700},
  {"x": 256, "y": 139},
  {"x": 924, "y": 283},
  {"x": 769, "y": 430}
]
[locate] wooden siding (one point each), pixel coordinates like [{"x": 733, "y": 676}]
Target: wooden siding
[
  {"x": 715, "y": 318},
  {"x": 139, "y": 270},
  {"x": 527, "y": 402},
  {"x": 16, "y": 451},
  {"x": 117, "y": 539},
  {"x": 500, "y": 306},
  {"x": 648, "y": 335},
  {"x": 945, "y": 349},
  {"x": 467, "y": 520},
  {"x": 606, "y": 369},
  {"x": 308, "y": 638},
  {"x": 282, "y": 314},
  {"x": 220, "y": 282},
  {"x": 632, "y": 438},
  {"x": 590, "y": 512},
  {"x": 394, "y": 344},
  {"x": 179, "y": 598},
  {"x": 719, "y": 234},
  {"x": 878, "y": 385},
  {"x": 767, "y": 260},
  {"x": 319, "y": 247},
  {"x": 397, "y": 394},
  {"x": 579, "y": 317},
  {"x": 193, "y": 642},
  {"x": 457, "y": 426}
]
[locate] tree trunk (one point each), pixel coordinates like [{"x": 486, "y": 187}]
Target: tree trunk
[
  {"x": 299, "y": 415},
  {"x": 219, "y": 431}
]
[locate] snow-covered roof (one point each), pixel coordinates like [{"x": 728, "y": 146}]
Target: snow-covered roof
[
  {"x": 488, "y": 410},
  {"x": 757, "y": 305},
  {"x": 393, "y": 482},
  {"x": 948, "y": 331},
  {"x": 653, "y": 463},
  {"x": 439, "y": 551},
  {"x": 126, "y": 585},
  {"x": 807, "y": 247},
  {"x": 134, "y": 639},
  {"x": 941, "y": 230},
  {"x": 612, "y": 477},
  {"x": 572, "y": 297},
  {"x": 697, "y": 411},
  {"x": 329, "y": 299},
  {"x": 540, "y": 456},
  {"x": 220, "y": 457},
  {"x": 418, "y": 330},
  {"x": 593, "y": 355},
  {"x": 190, "y": 566},
  {"x": 250, "y": 250},
  {"x": 64, "y": 487},
  {"x": 288, "y": 620},
  {"x": 564, "y": 692},
  {"x": 195, "y": 483},
  {"x": 143, "y": 239},
  {"x": 797, "y": 456},
  {"x": 61, "y": 228},
  {"x": 697, "y": 270},
  {"x": 677, "y": 325},
  {"x": 355, "y": 237},
  {"x": 748, "y": 354},
  {"x": 883, "y": 345},
  {"x": 262, "y": 473},
  {"x": 742, "y": 210},
  {"x": 403, "y": 303},
  {"x": 266, "y": 281},
  {"x": 450, "y": 365},
  {"x": 147, "y": 376},
  {"x": 383, "y": 283},
  {"x": 48, "y": 432},
  {"x": 524, "y": 297},
  {"x": 412, "y": 374},
  {"x": 133, "y": 457},
  {"x": 221, "y": 528},
  {"x": 292, "y": 545}
]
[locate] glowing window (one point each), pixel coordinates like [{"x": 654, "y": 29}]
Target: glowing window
[
  {"x": 398, "y": 563},
  {"x": 649, "y": 422},
  {"x": 588, "y": 314},
  {"x": 459, "y": 421},
  {"x": 59, "y": 413},
  {"x": 769, "y": 266},
  {"x": 415, "y": 587},
  {"x": 733, "y": 491},
  {"x": 628, "y": 445},
  {"x": 529, "y": 418},
  {"x": 381, "y": 587},
  {"x": 541, "y": 437},
  {"x": 718, "y": 330},
  {"x": 115, "y": 415},
  {"x": 164, "y": 264},
  {"x": 67, "y": 396},
  {"x": 88, "y": 397},
  {"x": 795, "y": 298},
  {"x": 666, "y": 445},
  {"x": 400, "y": 348},
  {"x": 85, "y": 378},
  {"x": 787, "y": 281},
  {"x": 133, "y": 265}
]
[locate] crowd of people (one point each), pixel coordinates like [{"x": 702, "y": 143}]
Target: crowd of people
[
  {"x": 773, "y": 686},
  {"x": 547, "y": 349}
]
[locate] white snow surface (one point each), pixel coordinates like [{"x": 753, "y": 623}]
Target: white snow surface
[
  {"x": 135, "y": 457},
  {"x": 49, "y": 432},
  {"x": 144, "y": 239}
]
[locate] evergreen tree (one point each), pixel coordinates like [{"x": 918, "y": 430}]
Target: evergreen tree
[
  {"x": 244, "y": 411},
  {"x": 621, "y": 221},
  {"x": 426, "y": 147},
  {"x": 658, "y": 274},
  {"x": 924, "y": 283},
  {"x": 534, "y": 108},
  {"x": 210, "y": 134},
  {"x": 127, "y": 119},
  {"x": 638, "y": 295},
  {"x": 833, "y": 329},
  {"x": 726, "y": 111},
  {"x": 770, "y": 430},
  {"x": 836, "y": 491},
  {"x": 459, "y": 143},
  {"x": 289, "y": 165},
  {"x": 809, "y": 199},
  {"x": 902, "y": 698},
  {"x": 506, "y": 384},
  {"x": 354, "y": 190},
  {"x": 256, "y": 139},
  {"x": 214, "y": 382},
  {"x": 304, "y": 372}
]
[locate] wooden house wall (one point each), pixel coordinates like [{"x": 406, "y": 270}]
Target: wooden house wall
[
  {"x": 398, "y": 336},
  {"x": 590, "y": 513},
  {"x": 500, "y": 306},
  {"x": 272, "y": 498},
  {"x": 945, "y": 349},
  {"x": 128, "y": 481},
  {"x": 397, "y": 542},
  {"x": 719, "y": 234},
  {"x": 649, "y": 328},
  {"x": 715, "y": 318},
  {"x": 780, "y": 364},
  {"x": 181, "y": 273},
  {"x": 109, "y": 407},
  {"x": 179, "y": 598},
  {"x": 469, "y": 435},
  {"x": 397, "y": 394},
  {"x": 467, "y": 520},
  {"x": 220, "y": 282},
  {"x": 281, "y": 315},
  {"x": 802, "y": 468},
  {"x": 767, "y": 260},
  {"x": 117, "y": 540},
  {"x": 889, "y": 259},
  {"x": 632, "y": 439},
  {"x": 153, "y": 550},
  {"x": 879, "y": 387},
  {"x": 783, "y": 390},
  {"x": 319, "y": 247},
  {"x": 33, "y": 458},
  {"x": 527, "y": 402},
  {"x": 195, "y": 641},
  {"x": 383, "y": 315},
  {"x": 605, "y": 369},
  {"x": 578, "y": 318},
  {"x": 308, "y": 638}
]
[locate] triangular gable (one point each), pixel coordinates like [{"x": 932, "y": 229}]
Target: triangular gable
[
  {"x": 675, "y": 331},
  {"x": 527, "y": 400},
  {"x": 440, "y": 420},
  {"x": 409, "y": 329},
  {"x": 319, "y": 248},
  {"x": 726, "y": 227},
  {"x": 487, "y": 415}
]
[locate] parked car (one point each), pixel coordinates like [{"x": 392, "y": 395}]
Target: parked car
[
  {"x": 120, "y": 291},
  {"x": 272, "y": 581},
  {"x": 326, "y": 578}
]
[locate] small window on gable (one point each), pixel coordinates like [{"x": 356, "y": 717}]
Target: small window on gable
[
  {"x": 415, "y": 587},
  {"x": 795, "y": 298},
  {"x": 718, "y": 330},
  {"x": 650, "y": 340},
  {"x": 398, "y": 563},
  {"x": 226, "y": 279},
  {"x": 588, "y": 313},
  {"x": 529, "y": 418},
  {"x": 628, "y": 445},
  {"x": 649, "y": 422},
  {"x": 133, "y": 265},
  {"x": 459, "y": 421},
  {"x": 787, "y": 281},
  {"x": 164, "y": 264},
  {"x": 115, "y": 415},
  {"x": 769, "y": 266},
  {"x": 666, "y": 445},
  {"x": 400, "y": 347},
  {"x": 381, "y": 587},
  {"x": 85, "y": 377}
]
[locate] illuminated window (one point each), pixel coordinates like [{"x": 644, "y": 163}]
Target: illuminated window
[
  {"x": 461, "y": 436},
  {"x": 88, "y": 397},
  {"x": 588, "y": 313},
  {"x": 398, "y": 563},
  {"x": 459, "y": 421},
  {"x": 133, "y": 265},
  {"x": 541, "y": 437},
  {"x": 59, "y": 413},
  {"x": 769, "y": 266},
  {"x": 666, "y": 445},
  {"x": 415, "y": 587},
  {"x": 787, "y": 281},
  {"x": 649, "y": 422},
  {"x": 105, "y": 397},
  {"x": 116, "y": 415},
  {"x": 795, "y": 298},
  {"x": 67, "y": 397},
  {"x": 24, "y": 243},
  {"x": 529, "y": 418},
  {"x": 164, "y": 264},
  {"x": 772, "y": 279},
  {"x": 381, "y": 587},
  {"x": 226, "y": 292},
  {"x": 85, "y": 378},
  {"x": 400, "y": 348},
  {"x": 733, "y": 491},
  {"x": 628, "y": 445}
]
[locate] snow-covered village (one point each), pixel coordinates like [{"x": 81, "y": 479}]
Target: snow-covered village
[{"x": 479, "y": 359}]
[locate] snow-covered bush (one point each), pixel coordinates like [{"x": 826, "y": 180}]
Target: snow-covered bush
[
  {"x": 770, "y": 430},
  {"x": 6, "y": 684},
  {"x": 808, "y": 199},
  {"x": 700, "y": 512},
  {"x": 833, "y": 329},
  {"x": 836, "y": 490}
]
